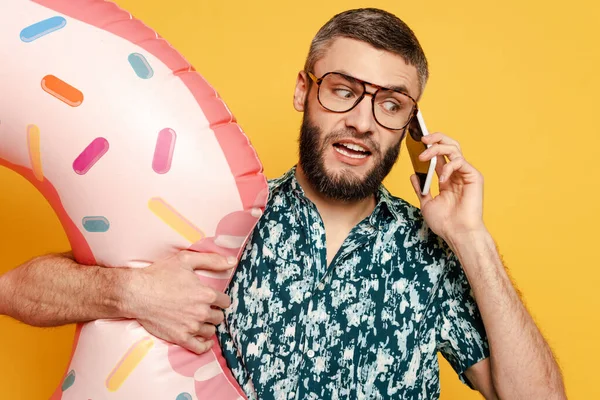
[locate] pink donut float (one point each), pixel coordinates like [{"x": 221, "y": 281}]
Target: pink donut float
[{"x": 140, "y": 158}]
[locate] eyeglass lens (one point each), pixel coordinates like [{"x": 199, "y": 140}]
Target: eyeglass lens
[{"x": 339, "y": 93}]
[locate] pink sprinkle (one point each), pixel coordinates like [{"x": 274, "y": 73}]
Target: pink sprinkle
[
  {"x": 163, "y": 152},
  {"x": 88, "y": 157}
]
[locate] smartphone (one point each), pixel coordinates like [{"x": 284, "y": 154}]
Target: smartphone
[{"x": 423, "y": 170}]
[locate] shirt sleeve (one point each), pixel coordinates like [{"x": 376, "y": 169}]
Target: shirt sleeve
[{"x": 461, "y": 336}]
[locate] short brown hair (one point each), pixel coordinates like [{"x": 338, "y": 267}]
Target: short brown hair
[{"x": 376, "y": 27}]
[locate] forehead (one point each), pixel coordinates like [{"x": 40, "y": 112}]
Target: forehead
[{"x": 363, "y": 61}]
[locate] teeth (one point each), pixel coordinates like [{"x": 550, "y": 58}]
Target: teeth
[
  {"x": 347, "y": 154},
  {"x": 354, "y": 147}
]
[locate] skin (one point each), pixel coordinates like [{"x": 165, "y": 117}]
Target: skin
[
  {"x": 47, "y": 291},
  {"x": 521, "y": 364}
]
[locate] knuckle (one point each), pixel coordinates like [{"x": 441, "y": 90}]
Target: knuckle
[
  {"x": 220, "y": 317},
  {"x": 209, "y": 329},
  {"x": 196, "y": 327},
  {"x": 184, "y": 257},
  {"x": 181, "y": 339},
  {"x": 212, "y": 297},
  {"x": 190, "y": 326},
  {"x": 207, "y": 296},
  {"x": 202, "y": 314}
]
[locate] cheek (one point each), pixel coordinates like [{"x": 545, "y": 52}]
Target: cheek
[
  {"x": 326, "y": 122},
  {"x": 390, "y": 141}
]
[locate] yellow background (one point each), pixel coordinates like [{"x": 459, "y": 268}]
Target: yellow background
[{"x": 516, "y": 82}]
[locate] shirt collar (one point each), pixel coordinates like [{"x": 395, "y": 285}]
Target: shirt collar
[{"x": 384, "y": 200}]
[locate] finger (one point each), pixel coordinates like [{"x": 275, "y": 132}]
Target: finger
[
  {"x": 446, "y": 150},
  {"x": 439, "y": 137},
  {"x": 212, "y": 316},
  {"x": 206, "y": 331},
  {"x": 417, "y": 187},
  {"x": 450, "y": 168},
  {"x": 220, "y": 300},
  {"x": 439, "y": 165},
  {"x": 209, "y": 297},
  {"x": 197, "y": 345},
  {"x": 208, "y": 261}
]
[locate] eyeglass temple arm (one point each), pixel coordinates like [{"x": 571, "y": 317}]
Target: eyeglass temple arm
[{"x": 314, "y": 78}]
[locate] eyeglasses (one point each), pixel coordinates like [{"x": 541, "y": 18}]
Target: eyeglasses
[{"x": 340, "y": 93}]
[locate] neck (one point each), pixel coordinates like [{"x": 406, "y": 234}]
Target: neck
[{"x": 338, "y": 212}]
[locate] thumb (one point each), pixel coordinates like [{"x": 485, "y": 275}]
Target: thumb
[
  {"x": 193, "y": 260},
  {"x": 214, "y": 262}
]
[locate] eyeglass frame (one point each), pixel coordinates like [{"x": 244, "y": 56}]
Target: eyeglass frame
[{"x": 318, "y": 81}]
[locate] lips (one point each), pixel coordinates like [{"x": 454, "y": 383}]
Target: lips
[{"x": 352, "y": 149}]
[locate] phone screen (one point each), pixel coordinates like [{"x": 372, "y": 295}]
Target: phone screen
[{"x": 415, "y": 148}]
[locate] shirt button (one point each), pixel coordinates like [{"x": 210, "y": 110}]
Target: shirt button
[
  {"x": 310, "y": 353},
  {"x": 291, "y": 395},
  {"x": 321, "y": 286}
]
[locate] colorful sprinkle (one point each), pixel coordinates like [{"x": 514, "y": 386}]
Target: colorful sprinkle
[
  {"x": 184, "y": 396},
  {"x": 62, "y": 90},
  {"x": 69, "y": 380},
  {"x": 88, "y": 157},
  {"x": 95, "y": 224},
  {"x": 35, "y": 157},
  {"x": 140, "y": 65},
  {"x": 175, "y": 220},
  {"x": 42, "y": 28},
  {"x": 163, "y": 152},
  {"x": 128, "y": 363}
]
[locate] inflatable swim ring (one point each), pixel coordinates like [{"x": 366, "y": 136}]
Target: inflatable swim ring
[{"x": 140, "y": 158}]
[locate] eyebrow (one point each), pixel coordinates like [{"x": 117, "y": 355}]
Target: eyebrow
[{"x": 400, "y": 88}]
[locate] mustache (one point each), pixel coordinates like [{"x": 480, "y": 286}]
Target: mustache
[{"x": 365, "y": 138}]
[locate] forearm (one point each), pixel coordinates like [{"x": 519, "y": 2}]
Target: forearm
[
  {"x": 54, "y": 290},
  {"x": 522, "y": 364}
]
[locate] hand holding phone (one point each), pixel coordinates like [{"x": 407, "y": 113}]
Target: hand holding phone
[{"x": 423, "y": 169}]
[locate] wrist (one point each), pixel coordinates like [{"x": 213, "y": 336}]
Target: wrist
[
  {"x": 461, "y": 240},
  {"x": 122, "y": 298},
  {"x": 476, "y": 250}
]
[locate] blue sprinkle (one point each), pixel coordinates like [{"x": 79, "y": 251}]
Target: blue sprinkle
[
  {"x": 95, "y": 224},
  {"x": 42, "y": 28},
  {"x": 69, "y": 380},
  {"x": 184, "y": 396},
  {"x": 140, "y": 65}
]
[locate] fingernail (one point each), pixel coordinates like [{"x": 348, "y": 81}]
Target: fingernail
[{"x": 231, "y": 260}]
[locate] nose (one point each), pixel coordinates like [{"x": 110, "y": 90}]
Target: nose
[{"x": 361, "y": 116}]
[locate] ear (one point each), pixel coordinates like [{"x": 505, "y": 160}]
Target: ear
[{"x": 301, "y": 91}]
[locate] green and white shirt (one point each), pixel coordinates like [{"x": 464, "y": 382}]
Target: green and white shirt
[{"x": 368, "y": 326}]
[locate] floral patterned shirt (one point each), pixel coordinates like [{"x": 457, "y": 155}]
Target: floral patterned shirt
[{"x": 367, "y": 326}]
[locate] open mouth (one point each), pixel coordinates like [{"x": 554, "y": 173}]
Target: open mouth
[{"x": 351, "y": 150}]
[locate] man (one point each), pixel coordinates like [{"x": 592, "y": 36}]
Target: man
[{"x": 343, "y": 291}]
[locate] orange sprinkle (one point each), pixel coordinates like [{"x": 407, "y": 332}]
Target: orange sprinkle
[{"x": 62, "y": 90}]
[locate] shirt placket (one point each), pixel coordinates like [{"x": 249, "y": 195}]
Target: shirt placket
[{"x": 308, "y": 386}]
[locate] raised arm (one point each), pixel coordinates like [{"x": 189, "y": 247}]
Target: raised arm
[
  {"x": 521, "y": 364},
  {"x": 166, "y": 297}
]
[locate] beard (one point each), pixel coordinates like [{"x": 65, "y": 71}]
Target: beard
[{"x": 345, "y": 185}]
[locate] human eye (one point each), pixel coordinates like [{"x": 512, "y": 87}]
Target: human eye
[
  {"x": 391, "y": 106},
  {"x": 344, "y": 93}
]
